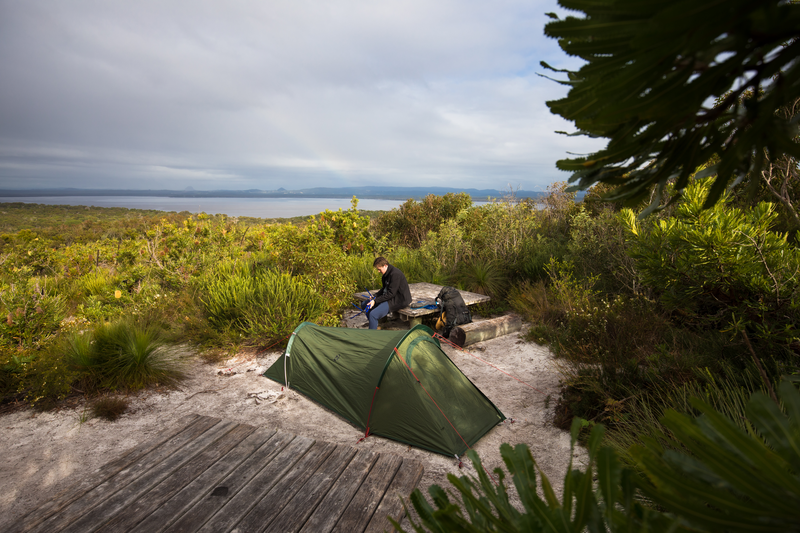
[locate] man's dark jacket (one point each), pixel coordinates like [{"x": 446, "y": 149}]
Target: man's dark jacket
[{"x": 395, "y": 290}]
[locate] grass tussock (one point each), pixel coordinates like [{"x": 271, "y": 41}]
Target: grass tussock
[
  {"x": 109, "y": 408},
  {"x": 123, "y": 355}
]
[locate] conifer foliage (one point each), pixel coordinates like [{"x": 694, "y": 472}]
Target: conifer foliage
[{"x": 672, "y": 84}]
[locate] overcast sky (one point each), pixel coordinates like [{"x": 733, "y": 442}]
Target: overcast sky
[{"x": 266, "y": 94}]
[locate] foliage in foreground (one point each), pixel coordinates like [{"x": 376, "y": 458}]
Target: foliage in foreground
[
  {"x": 650, "y": 69},
  {"x": 722, "y": 478}
]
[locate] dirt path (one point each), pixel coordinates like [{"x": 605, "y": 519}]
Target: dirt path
[{"x": 44, "y": 453}]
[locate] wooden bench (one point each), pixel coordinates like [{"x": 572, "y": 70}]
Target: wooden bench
[{"x": 426, "y": 292}]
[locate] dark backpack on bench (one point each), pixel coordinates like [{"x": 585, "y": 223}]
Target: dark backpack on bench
[{"x": 454, "y": 309}]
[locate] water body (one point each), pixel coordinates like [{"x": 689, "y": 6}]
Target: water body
[{"x": 235, "y": 207}]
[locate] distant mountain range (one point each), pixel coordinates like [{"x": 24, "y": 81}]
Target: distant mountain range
[{"x": 378, "y": 193}]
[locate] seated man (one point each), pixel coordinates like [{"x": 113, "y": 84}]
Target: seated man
[{"x": 393, "y": 295}]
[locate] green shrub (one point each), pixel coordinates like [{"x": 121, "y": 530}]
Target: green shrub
[
  {"x": 417, "y": 266},
  {"x": 598, "y": 247},
  {"x": 317, "y": 263},
  {"x": 600, "y": 498},
  {"x": 721, "y": 268},
  {"x": 124, "y": 355},
  {"x": 281, "y": 303},
  {"x": 718, "y": 477},
  {"x": 537, "y": 254},
  {"x": 483, "y": 276},
  {"x": 365, "y": 276},
  {"x": 409, "y": 224},
  {"x": 446, "y": 248},
  {"x": 266, "y": 305},
  {"x": 575, "y": 294},
  {"x": 41, "y": 377},
  {"x": 503, "y": 232},
  {"x": 727, "y": 391},
  {"x": 30, "y": 313},
  {"x": 346, "y": 229},
  {"x": 725, "y": 477}
]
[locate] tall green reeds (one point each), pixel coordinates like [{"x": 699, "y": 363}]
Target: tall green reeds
[
  {"x": 122, "y": 355},
  {"x": 262, "y": 305}
]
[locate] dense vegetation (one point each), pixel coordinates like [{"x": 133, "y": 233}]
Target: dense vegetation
[{"x": 642, "y": 314}]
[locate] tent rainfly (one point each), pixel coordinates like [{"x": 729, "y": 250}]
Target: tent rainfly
[{"x": 395, "y": 384}]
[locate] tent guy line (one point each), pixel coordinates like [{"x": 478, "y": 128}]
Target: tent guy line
[{"x": 454, "y": 345}]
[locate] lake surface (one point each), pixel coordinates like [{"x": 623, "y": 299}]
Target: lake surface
[{"x": 235, "y": 207}]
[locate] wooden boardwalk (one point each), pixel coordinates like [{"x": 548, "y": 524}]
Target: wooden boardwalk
[{"x": 209, "y": 475}]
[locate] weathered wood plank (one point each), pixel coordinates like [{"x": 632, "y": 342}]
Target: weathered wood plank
[
  {"x": 259, "y": 516},
  {"x": 404, "y": 482},
  {"x": 66, "y": 497},
  {"x": 484, "y": 330},
  {"x": 170, "y": 510},
  {"x": 361, "y": 508},
  {"x": 139, "y": 451},
  {"x": 271, "y": 460},
  {"x": 333, "y": 505},
  {"x": 106, "y": 509},
  {"x": 125, "y": 476},
  {"x": 297, "y": 511},
  {"x": 132, "y": 514}
]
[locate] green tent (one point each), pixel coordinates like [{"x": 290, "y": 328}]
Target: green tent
[{"x": 396, "y": 384}]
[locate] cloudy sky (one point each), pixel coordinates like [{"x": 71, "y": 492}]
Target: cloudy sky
[{"x": 265, "y": 94}]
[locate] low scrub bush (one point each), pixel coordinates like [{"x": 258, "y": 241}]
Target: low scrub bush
[
  {"x": 125, "y": 355},
  {"x": 318, "y": 263},
  {"x": 265, "y": 305},
  {"x": 721, "y": 268},
  {"x": 417, "y": 266},
  {"x": 503, "y": 232},
  {"x": 727, "y": 391},
  {"x": 110, "y": 408},
  {"x": 598, "y": 247},
  {"x": 365, "y": 276},
  {"x": 40, "y": 376},
  {"x": 346, "y": 229},
  {"x": 446, "y": 248},
  {"x": 409, "y": 224},
  {"x": 30, "y": 313}
]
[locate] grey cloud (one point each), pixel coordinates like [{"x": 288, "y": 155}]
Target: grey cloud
[{"x": 252, "y": 94}]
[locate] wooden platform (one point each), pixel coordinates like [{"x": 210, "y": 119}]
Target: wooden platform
[
  {"x": 426, "y": 292},
  {"x": 209, "y": 475}
]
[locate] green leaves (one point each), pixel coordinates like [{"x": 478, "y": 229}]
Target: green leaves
[
  {"x": 723, "y": 479},
  {"x": 651, "y": 69},
  {"x": 733, "y": 480},
  {"x": 720, "y": 268},
  {"x": 488, "y": 506},
  {"x": 266, "y": 305}
]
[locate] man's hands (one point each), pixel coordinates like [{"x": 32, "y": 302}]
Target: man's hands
[{"x": 370, "y": 303}]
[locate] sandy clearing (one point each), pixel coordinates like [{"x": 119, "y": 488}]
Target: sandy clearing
[{"x": 44, "y": 453}]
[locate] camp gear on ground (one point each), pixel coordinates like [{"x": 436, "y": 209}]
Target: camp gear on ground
[
  {"x": 424, "y": 304},
  {"x": 454, "y": 310},
  {"x": 395, "y": 384}
]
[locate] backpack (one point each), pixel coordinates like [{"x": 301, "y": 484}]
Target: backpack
[{"x": 454, "y": 311}]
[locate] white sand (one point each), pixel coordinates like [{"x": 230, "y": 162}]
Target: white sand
[{"x": 45, "y": 453}]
